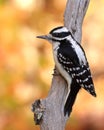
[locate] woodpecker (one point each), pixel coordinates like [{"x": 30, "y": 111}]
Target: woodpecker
[{"x": 72, "y": 64}]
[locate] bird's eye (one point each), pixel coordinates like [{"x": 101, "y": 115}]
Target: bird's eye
[
  {"x": 61, "y": 35},
  {"x": 56, "y": 34}
]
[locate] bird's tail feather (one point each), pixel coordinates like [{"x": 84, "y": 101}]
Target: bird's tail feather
[{"x": 71, "y": 98}]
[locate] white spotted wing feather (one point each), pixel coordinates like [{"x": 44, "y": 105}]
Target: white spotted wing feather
[{"x": 81, "y": 74}]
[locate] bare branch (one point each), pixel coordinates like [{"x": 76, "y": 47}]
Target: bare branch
[
  {"x": 53, "y": 117},
  {"x": 74, "y": 15}
]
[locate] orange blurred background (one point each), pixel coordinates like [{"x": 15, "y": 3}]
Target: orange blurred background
[{"x": 26, "y": 63}]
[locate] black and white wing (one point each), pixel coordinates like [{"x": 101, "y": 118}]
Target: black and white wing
[{"x": 80, "y": 73}]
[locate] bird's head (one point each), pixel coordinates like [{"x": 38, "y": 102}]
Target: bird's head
[{"x": 56, "y": 34}]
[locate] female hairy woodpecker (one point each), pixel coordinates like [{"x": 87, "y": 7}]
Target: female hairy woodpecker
[{"x": 71, "y": 62}]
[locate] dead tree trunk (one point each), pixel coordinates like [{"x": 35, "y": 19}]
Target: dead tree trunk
[{"x": 48, "y": 113}]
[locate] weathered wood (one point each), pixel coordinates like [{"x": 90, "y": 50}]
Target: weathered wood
[
  {"x": 74, "y": 15},
  {"x": 53, "y": 115}
]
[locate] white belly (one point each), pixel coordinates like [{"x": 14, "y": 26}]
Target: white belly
[{"x": 61, "y": 70}]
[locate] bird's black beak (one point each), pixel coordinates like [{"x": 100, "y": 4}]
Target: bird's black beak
[{"x": 43, "y": 37}]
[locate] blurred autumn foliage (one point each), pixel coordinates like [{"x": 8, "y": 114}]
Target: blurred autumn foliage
[{"x": 26, "y": 63}]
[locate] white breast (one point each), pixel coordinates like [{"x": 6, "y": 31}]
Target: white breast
[{"x": 59, "y": 66}]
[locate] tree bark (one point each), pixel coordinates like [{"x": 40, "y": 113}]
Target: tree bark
[
  {"x": 74, "y": 15},
  {"x": 49, "y": 112}
]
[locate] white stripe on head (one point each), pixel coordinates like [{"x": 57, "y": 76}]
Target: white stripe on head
[{"x": 63, "y": 29}]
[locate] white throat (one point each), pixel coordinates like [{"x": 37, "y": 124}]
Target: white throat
[{"x": 55, "y": 45}]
